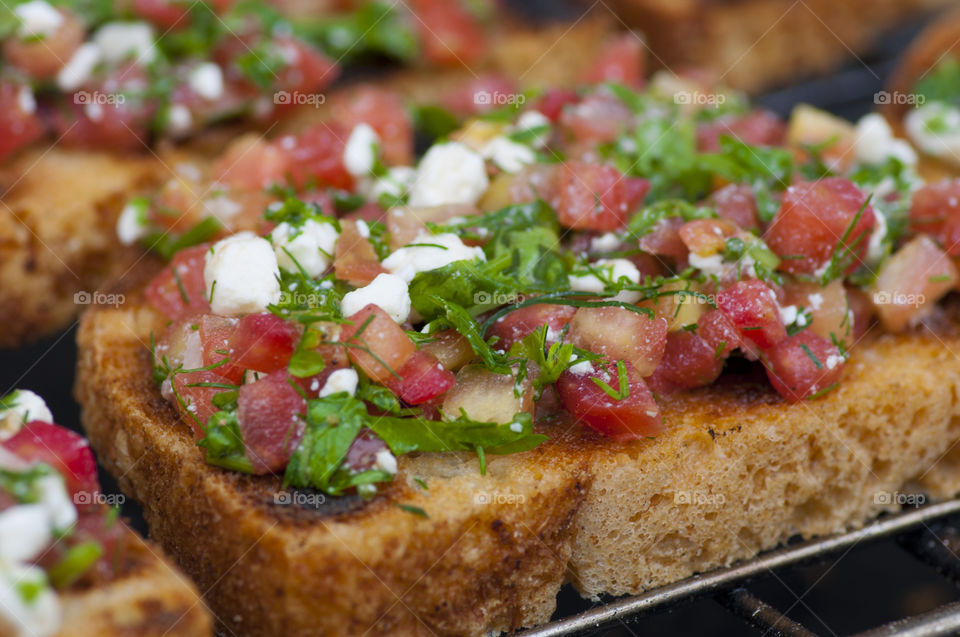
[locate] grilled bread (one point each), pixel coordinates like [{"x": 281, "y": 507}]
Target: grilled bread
[
  {"x": 60, "y": 207},
  {"x": 447, "y": 550}
]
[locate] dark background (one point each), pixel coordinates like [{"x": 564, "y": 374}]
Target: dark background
[{"x": 869, "y": 586}]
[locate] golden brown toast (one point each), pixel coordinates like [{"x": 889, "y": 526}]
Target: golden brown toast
[
  {"x": 58, "y": 207},
  {"x": 756, "y": 44},
  {"x": 150, "y": 599},
  {"x": 736, "y": 471}
]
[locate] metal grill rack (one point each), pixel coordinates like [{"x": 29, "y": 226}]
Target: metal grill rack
[{"x": 929, "y": 534}]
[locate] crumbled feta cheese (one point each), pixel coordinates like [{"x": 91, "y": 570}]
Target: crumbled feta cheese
[
  {"x": 25, "y": 531},
  {"x": 434, "y": 251},
  {"x": 56, "y": 501},
  {"x": 311, "y": 245},
  {"x": 207, "y": 81},
  {"x": 530, "y": 120},
  {"x": 79, "y": 68},
  {"x": 605, "y": 243},
  {"x": 582, "y": 368},
  {"x": 342, "y": 380},
  {"x": 132, "y": 223},
  {"x": 508, "y": 155},
  {"x": 219, "y": 205},
  {"x": 833, "y": 360},
  {"x": 179, "y": 120},
  {"x": 612, "y": 269},
  {"x": 516, "y": 427},
  {"x": 241, "y": 275},
  {"x": 388, "y": 291},
  {"x": 20, "y": 407},
  {"x": 710, "y": 266},
  {"x": 940, "y": 140},
  {"x": 385, "y": 461},
  {"x": 449, "y": 173},
  {"x": 39, "y": 615},
  {"x": 360, "y": 151},
  {"x": 26, "y": 101},
  {"x": 788, "y": 314},
  {"x": 38, "y": 19},
  {"x": 875, "y": 247},
  {"x": 816, "y": 301},
  {"x": 875, "y": 142},
  {"x": 363, "y": 229},
  {"x": 396, "y": 183},
  {"x": 120, "y": 41},
  {"x": 93, "y": 111}
]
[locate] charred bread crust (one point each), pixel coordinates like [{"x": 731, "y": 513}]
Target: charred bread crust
[
  {"x": 150, "y": 598},
  {"x": 737, "y": 471},
  {"x": 757, "y": 44}
]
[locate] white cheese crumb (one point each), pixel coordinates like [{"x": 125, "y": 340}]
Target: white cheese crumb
[
  {"x": 875, "y": 247},
  {"x": 120, "y": 41},
  {"x": 179, "y": 119},
  {"x": 833, "y": 360},
  {"x": 207, "y": 81},
  {"x": 79, "y": 68},
  {"x": 241, "y": 275},
  {"x": 582, "y": 368},
  {"x": 360, "y": 151},
  {"x": 132, "y": 222},
  {"x": 342, "y": 380},
  {"x": 508, "y": 155},
  {"x": 311, "y": 245},
  {"x": 26, "y": 101},
  {"x": 788, "y": 314},
  {"x": 385, "y": 461},
  {"x": 396, "y": 183},
  {"x": 388, "y": 291},
  {"x": 875, "y": 142},
  {"x": 363, "y": 229},
  {"x": 38, "y": 19},
  {"x": 437, "y": 251},
  {"x": 613, "y": 269},
  {"x": 40, "y": 616},
  {"x": 531, "y": 120},
  {"x": 449, "y": 173},
  {"x": 23, "y": 406},
  {"x": 605, "y": 243},
  {"x": 711, "y": 266},
  {"x": 944, "y": 142},
  {"x": 516, "y": 427},
  {"x": 816, "y": 301}
]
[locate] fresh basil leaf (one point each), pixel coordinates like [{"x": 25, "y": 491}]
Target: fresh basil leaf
[
  {"x": 167, "y": 245},
  {"x": 406, "y": 435},
  {"x": 224, "y": 443}
]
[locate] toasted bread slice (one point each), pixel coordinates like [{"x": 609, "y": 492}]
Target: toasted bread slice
[
  {"x": 756, "y": 44},
  {"x": 150, "y": 599},
  {"x": 737, "y": 471},
  {"x": 59, "y": 207}
]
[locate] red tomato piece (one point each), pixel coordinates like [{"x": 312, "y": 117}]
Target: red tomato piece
[
  {"x": 689, "y": 361},
  {"x": 250, "y": 163},
  {"x": 42, "y": 58},
  {"x": 362, "y": 454},
  {"x": 18, "y": 127},
  {"x": 736, "y": 203},
  {"x": 803, "y": 365},
  {"x": 316, "y": 157},
  {"x": 622, "y": 60},
  {"x": 308, "y": 68},
  {"x": 271, "y": 414},
  {"x": 263, "y": 342},
  {"x": 759, "y": 128},
  {"x": 597, "y": 119},
  {"x": 179, "y": 290},
  {"x": 517, "y": 325},
  {"x": 935, "y": 210},
  {"x": 618, "y": 333},
  {"x": 664, "y": 241},
  {"x": 196, "y": 390},
  {"x": 355, "y": 260},
  {"x": 752, "y": 307},
  {"x": 634, "y": 417},
  {"x": 812, "y": 221},
  {"x": 422, "y": 378},
  {"x": 480, "y": 95},
  {"x": 215, "y": 336},
  {"x": 449, "y": 34},
  {"x": 718, "y": 332},
  {"x": 67, "y": 452},
  {"x": 374, "y": 335},
  {"x": 706, "y": 236},
  {"x": 384, "y": 111},
  {"x": 594, "y": 196},
  {"x": 553, "y": 101}
]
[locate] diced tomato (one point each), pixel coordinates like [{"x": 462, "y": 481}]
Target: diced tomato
[
  {"x": 355, "y": 260},
  {"x": 216, "y": 334},
  {"x": 250, "y": 163},
  {"x": 271, "y": 414},
  {"x": 172, "y": 14},
  {"x": 811, "y": 224},
  {"x": 517, "y": 325},
  {"x": 18, "y": 127},
  {"x": 374, "y": 335},
  {"x": 911, "y": 282},
  {"x": 718, "y": 332},
  {"x": 316, "y": 157},
  {"x": 553, "y": 101},
  {"x": 449, "y": 34},
  {"x": 664, "y": 241},
  {"x": 179, "y": 290},
  {"x": 384, "y": 111},
  {"x": 112, "y": 535},
  {"x": 935, "y": 210},
  {"x": 67, "y": 452},
  {"x": 706, "y": 236},
  {"x": 759, "y": 128},
  {"x": 689, "y": 361},
  {"x": 633, "y": 417},
  {"x": 42, "y": 58},
  {"x": 738, "y": 204},
  {"x": 595, "y": 196},
  {"x": 480, "y": 95},
  {"x": 308, "y": 69},
  {"x": 362, "y": 454},
  {"x": 861, "y": 305},
  {"x": 451, "y": 348},
  {"x": 196, "y": 390},
  {"x": 263, "y": 342},
  {"x": 803, "y": 365},
  {"x": 422, "y": 378},
  {"x": 622, "y": 60},
  {"x": 827, "y": 305},
  {"x": 597, "y": 119},
  {"x": 618, "y": 333},
  {"x": 752, "y": 307},
  {"x": 405, "y": 224}
]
